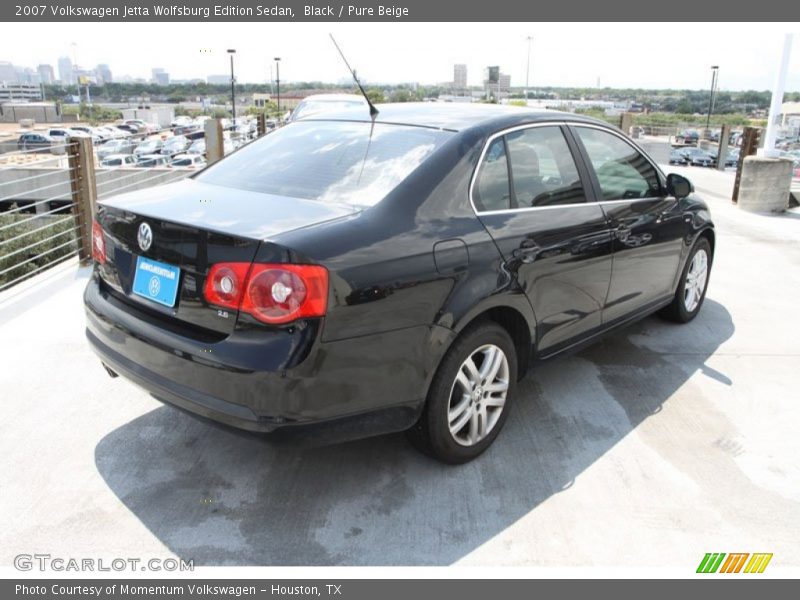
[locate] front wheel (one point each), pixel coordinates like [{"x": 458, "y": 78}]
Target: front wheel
[
  {"x": 470, "y": 395},
  {"x": 692, "y": 287}
]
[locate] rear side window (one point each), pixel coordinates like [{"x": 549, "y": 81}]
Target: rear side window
[
  {"x": 622, "y": 171},
  {"x": 492, "y": 188},
  {"x": 331, "y": 161},
  {"x": 543, "y": 170}
]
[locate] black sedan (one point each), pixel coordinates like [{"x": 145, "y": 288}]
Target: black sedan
[
  {"x": 697, "y": 157},
  {"x": 345, "y": 277}
]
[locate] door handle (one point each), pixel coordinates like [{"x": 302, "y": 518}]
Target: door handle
[{"x": 527, "y": 251}]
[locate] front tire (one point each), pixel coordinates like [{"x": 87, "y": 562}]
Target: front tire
[
  {"x": 470, "y": 395},
  {"x": 693, "y": 284}
]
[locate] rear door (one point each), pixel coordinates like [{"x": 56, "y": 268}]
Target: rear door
[
  {"x": 530, "y": 194},
  {"x": 646, "y": 224}
]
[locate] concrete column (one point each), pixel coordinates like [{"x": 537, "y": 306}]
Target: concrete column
[
  {"x": 777, "y": 100},
  {"x": 765, "y": 184},
  {"x": 214, "y": 140},
  {"x": 626, "y": 123},
  {"x": 722, "y": 155}
]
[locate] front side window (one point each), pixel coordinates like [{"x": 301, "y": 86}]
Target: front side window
[{"x": 622, "y": 171}]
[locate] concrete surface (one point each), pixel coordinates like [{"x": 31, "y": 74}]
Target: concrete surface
[{"x": 653, "y": 447}]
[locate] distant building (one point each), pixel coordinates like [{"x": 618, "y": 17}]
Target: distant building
[
  {"x": 103, "y": 73},
  {"x": 218, "y": 79},
  {"x": 65, "y": 74},
  {"x": 496, "y": 85},
  {"x": 7, "y": 72},
  {"x": 261, "y": 100},
  {"x": 460, "y": 77},
  {"x": 46, "y": 74},
  {"x": 25, "y": 92},
  {"x": 160, "y": 76}
]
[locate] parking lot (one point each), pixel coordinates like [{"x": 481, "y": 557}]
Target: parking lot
[{"x": 651, "y": 448}]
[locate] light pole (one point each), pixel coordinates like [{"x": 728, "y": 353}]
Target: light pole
[
  {"x": 714, "y": 71},
  {"x": 528, "y": 69},
  {"x": 278, "y": 82},
  {"x": 232, "y": 51}
]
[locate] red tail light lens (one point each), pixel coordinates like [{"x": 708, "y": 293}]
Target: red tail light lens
[
  {"x": 98, "y": 243},
  {"x": 225, "y": 284},
  {"x": 272, "y": 293}
]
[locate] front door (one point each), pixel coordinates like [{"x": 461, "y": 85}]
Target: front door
[{"x": 646, "y": 224}]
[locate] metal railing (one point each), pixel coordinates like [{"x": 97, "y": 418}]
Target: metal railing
[{"x": 48, "y": 199}]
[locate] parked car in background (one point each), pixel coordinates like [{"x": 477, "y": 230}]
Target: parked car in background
[
  {"x": 356, "y": 277},
  {"x": 321, "y": 103},
  {"x": 98, "y": 136},
  {"x": 149, "y": 146},
  {"x": 188, "y": 161},
  {"x": 114, "y": 132},
  {"x": 697, "y": 157},
  {"x": 676, "y": 157},
  {"x": 731, "y": 159},
  {"x": 65, "y": 134},
  {"x": 119, "y": 146},
  {"x": 131, "y": 129},
  {"x": 36, "y": 141},
  {"x": 152, "y": 160},
  {"x": 119, "y": 160},
  {"x": 175, "y": 145},
  {"x": 142, "y": 126},
  {"x": 181, "y": 121},
  {"x": 197, "y": 147},
  {"x": 688, "y": 136}
]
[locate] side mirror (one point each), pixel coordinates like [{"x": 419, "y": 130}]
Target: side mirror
[{"x": 679, "y": 186}]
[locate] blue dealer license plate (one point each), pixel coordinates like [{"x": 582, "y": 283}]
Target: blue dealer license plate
[{"x": 156, "y": 281}]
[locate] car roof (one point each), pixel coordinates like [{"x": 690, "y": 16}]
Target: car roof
[{"x": 451, "y": 116}]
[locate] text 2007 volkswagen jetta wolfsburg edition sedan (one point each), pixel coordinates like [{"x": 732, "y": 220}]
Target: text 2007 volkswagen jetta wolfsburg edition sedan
[{"x": 352, "y": 277}]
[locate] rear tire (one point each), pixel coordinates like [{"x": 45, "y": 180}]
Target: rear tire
[
  {"x": 692, "y": 286},
  {"x": 469, "y": 397}
]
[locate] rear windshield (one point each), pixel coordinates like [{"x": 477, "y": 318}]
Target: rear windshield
[{"x": 339, "y": 162}]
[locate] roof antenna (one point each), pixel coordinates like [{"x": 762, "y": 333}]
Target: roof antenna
[{"x": 373, "y": 112}]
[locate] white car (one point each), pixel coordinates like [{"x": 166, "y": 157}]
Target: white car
[
  {"x": 188, "y": 161},
  {"x": 119, "y": 160}
]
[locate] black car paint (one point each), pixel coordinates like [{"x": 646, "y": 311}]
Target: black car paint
[{"x": 406, "y": 276}]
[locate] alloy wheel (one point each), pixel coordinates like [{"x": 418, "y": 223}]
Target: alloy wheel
[
  {"x": 478, "y": 395},
  {"x": 696, "y": 278}
]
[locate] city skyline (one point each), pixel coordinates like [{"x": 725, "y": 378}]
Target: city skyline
[{"x": 554, "y": 61}]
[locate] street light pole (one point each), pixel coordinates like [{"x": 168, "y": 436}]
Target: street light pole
[
  {"x": 714, "y": 70},
  {"x": 278, "y": 82},
  {"x": 233, "y": 88},
  {"x": 528, "y": 69}
]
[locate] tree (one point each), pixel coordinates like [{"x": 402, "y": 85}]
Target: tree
[{"x": 375, "y": 96}]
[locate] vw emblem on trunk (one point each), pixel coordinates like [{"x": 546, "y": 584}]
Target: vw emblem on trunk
[{"x": 145, "y": 236}]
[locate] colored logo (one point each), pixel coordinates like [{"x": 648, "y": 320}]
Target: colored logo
[{"x": 737, "y": 562}]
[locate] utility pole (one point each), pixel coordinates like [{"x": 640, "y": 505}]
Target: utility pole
[
  {"x": 528, "y": 69},
  {"x": 233, "y": 89},
  {"x": 278, "y": 82},
  {"x": 714, "y": 71}
]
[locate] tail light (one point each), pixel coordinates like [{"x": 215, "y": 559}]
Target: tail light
[
  {"x": 272, "y": 293},
  {"x": 98, "y": 243}
]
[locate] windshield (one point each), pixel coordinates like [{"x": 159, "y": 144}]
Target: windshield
[{"x": 336, "y": 162}]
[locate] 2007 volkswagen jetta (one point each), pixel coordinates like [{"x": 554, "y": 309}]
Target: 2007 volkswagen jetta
[{"x": 352, "y": 276}]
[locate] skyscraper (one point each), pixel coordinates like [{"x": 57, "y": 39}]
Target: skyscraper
[
  {"x": 7, "y": 72},
  {"x": 104, "y": 74},
  {"x": 65, "y": 74},
  {"x": 46, "y": 74},
  {"x": 460, "y": 77},
  {"x": 160, "y": 76}
]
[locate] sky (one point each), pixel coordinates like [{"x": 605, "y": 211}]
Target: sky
[{"x": 646, "y": 55}]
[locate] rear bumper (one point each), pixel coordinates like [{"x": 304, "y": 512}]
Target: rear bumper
[{"x": 343, "y": 389}]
